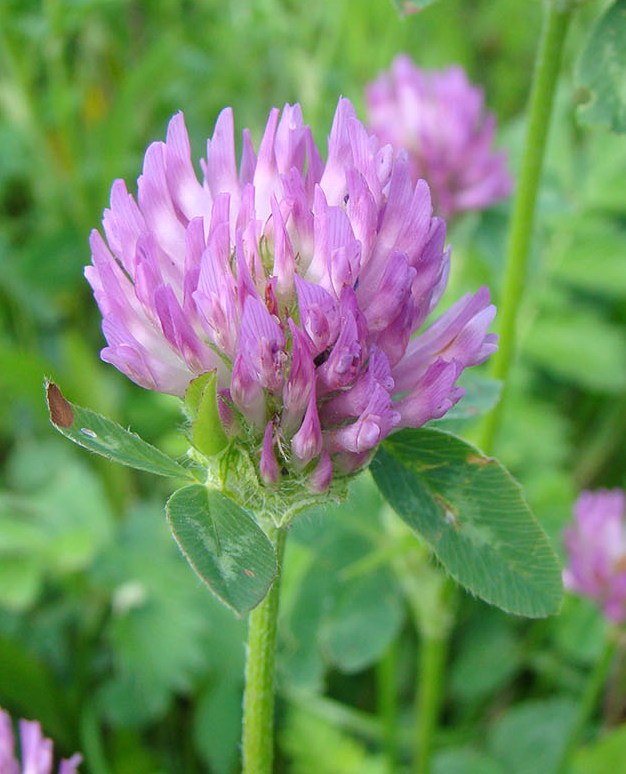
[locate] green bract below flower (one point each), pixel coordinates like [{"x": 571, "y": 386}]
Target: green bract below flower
[{"x": 299, "y": 284}]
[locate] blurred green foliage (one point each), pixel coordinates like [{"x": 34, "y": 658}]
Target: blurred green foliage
[{"x": 105, "y": 634}]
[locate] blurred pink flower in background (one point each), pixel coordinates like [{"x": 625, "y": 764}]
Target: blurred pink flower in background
[
  {"x": 36, "y": 751},
  {"x": 439, "y": 118},
  {"x": 596, "y": 549},
  {"x": 301, "y": 283}
]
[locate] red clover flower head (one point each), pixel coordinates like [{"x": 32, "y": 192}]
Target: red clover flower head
[
  {"x": 596, "y": 548},
  {"x": 36, "y": 750},
  {"x": 300, "y": 283},
  {"x": 439, "y": 118}
]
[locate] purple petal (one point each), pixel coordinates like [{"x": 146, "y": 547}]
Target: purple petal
[
  {"x": 371, "y": 427},
  {"x": 459, "y": 335},
  {"x": 220, "y": 168},
  {"x": 307, "y": 442},
  {"x": 123, "y": 224},
  {"x": 291, "y": 140},
  {"x": 363, "y": 211},
  {"x": 8, "y": 762},
  {"x": 247, "y": 393},
  {"x": 432, "y": 396},
  {"x": 284, "y": 263},
  {"x": 36, "y": 749},
  {"x": 70, "y": 766},
  {"x": 248, "y": 160},
  {"x": 217, "y": 301},
  {"x": 321, "y": 478},
  {"x": 349, "y": 351},
  {"x": 162, "y": 218},
  {"x": 270, "y": 472},
  {"x": 180, "y": 334},
  {"x": 385, "y": 301},
  {"x": 350, "y": 404},
  {"x": 300, "y": 382},
  {"x": 150, "y": 363},
  {"x": 266, "y": 172},
  {"x": 333, "y": 181},
  {"x": 262, "y": 345},
  {"x": 319, "y": 315},
  {"x": 188, "y": 196},
  {"x": 336, "y": 257}
]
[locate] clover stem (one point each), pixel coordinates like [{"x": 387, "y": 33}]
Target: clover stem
[
  {"x": 547, "y": 67},
  {"x": 258, "y": 702},
  {"x": 432, "y": 659},
  {"x": 593, "y": 690},
  {"x": 386, "y": 674}
]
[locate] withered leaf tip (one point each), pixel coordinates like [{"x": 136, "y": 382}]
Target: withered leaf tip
[{"x": 60, "y": 410}]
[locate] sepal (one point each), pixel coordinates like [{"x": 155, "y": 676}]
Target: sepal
[{"x": 201, "y": 407}]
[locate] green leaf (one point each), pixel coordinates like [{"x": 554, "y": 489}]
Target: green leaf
[
  {"x": 207, "y": 433},
  {"x": 582, "y": 631},
  {"x": 218, "y": 709},
  {"x": 347, "y": 606},
  {"x": 315, "y": 745},
  {"x": 223, "y": 544},
  {"x": 164, "y": 629},
  {"x": 217, "y": 723},
  {"x": 54, "y": 519},
  {"x": 21, "y": 578},
  {"x": 105, "y": 437},
  {"x": 300, "y": 657},
  {"x": 474, "y": 673},
  {"x": 601, "y": 71},
  {"x": 473, "y": 514},
  {"x": 603, "y": 181},
  {"x": 465, "y": 761},
  {"x": 531, "y": 736},
  {"x": 366, "y": 615}
]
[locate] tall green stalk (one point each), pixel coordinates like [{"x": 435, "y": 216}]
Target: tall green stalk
[
  {"x": 388, "y": 705},
  {"x": 258, "y": 703},
  {"x": 433, "y": 651},
  {"x": 593, "y": 690},
  {"x": 548, "y": 64},
  {"x": 432, "y": 599}
]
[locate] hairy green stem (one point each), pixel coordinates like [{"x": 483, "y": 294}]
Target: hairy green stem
[
  {"x": 593, "y": 691},
  {"x": 432, "y": 659},
  {"x": 548, "y": 64},
  {"x": 258, "y": 702},
  {"x": 386, "y": 674}
]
